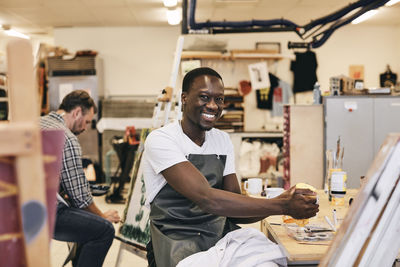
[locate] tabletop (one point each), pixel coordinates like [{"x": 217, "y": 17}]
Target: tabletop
[{"x": 312, "y": 251}]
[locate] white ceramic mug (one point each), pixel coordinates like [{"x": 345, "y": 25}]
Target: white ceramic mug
[
  {"x": 253, "y": 186},
  {"x": 273, "y": 192}
]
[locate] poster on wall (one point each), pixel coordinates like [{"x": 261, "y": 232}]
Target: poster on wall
[
  {"x": 189, "y": 65},
  {"x": 259, "y": 75}
]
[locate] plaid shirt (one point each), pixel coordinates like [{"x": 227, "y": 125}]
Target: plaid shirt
[{"x": 73, "y": 181}]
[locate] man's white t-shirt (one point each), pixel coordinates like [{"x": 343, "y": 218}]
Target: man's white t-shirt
[{"x": 169, "y": 145}]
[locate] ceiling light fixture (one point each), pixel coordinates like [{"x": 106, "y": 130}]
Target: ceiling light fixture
[
  {"x": 15, "y": 33},
  {"x": 10, "y": 32},
  {"x": 392, "y": 2},
  {"x": 174, "y": 16},
  {"x": 170, "y": 3},
  {"x": 364, "y": 16}
]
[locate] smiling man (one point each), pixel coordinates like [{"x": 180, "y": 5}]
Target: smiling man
[{"x": 190, "y": 179}]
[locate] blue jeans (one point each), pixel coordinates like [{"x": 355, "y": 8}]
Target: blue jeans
[{"x": 93, "y": 234}]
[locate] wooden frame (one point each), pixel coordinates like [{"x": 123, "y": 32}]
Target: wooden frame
[
  {"x": 21, "y": 139},
  {"x": 367, "y": 236}
]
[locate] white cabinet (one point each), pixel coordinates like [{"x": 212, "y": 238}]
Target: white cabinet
[{"x": 362, "y": 122}]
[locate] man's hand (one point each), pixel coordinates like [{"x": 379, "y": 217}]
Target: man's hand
[
  {"x": 301, "y": 203},
  {"x": 112, "y": 216}
]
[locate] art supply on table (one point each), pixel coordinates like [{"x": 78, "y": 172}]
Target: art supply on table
[
  {"x": 334, "y": 218},
  {"x": 337, "y": 178},
  {"x": 328, "y": 221},
  {"x": 315, "y": 244},
  {"x": 338, "y": 187},
  {"x": 309, "y": 234}
]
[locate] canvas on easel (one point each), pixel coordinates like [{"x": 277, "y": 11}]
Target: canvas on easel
[
  {"x": 368, "y": 235},
  {"x": 135, "y": 227}
]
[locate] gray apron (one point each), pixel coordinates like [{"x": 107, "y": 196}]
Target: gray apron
[{"x": 178, "y": 226}]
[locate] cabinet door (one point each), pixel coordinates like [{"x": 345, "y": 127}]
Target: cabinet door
[
  {"x": 386, "y": 118},
  {"x": 351, "y": 119}
]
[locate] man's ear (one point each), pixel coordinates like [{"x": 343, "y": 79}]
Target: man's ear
[
  {"x": 183, "y": 98},
  {"x": 76, "y": 112}
]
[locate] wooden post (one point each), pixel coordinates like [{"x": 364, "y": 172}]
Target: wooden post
[{"x": 24, "y": 108}]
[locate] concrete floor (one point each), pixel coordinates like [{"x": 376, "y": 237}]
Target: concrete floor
[{"x": 59, "y": 250}]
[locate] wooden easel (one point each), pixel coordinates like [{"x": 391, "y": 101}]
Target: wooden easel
[
  {"x": 368, "y": 235},
  {"x": 161, "y": 116},
  {"x": 21, "y": 139}
]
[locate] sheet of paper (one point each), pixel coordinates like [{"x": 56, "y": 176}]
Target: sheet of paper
[
  {"x": 259, "y": 75},
  {"x": 64, "y": 89}
]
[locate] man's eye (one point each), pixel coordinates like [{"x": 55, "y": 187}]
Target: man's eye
[
  {"x": 219, "y": 100},
  {"x": 204, "y": 97}
]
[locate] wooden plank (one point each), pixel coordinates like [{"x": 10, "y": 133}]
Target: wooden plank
[
  {"x": 29, "y": 168},
  {"x": 234, "y": 54},
  {"x": 18, "y": 138},
  {"x": 375, "y": 253},
  {"x": 307, "y": 145}
]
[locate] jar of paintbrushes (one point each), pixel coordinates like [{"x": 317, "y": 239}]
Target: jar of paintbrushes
[{"x": 336, "y": 177}]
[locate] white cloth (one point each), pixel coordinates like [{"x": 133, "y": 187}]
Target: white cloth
[
  {"x": 169, "y": 145},
  {"x": 245, "y": 247}
]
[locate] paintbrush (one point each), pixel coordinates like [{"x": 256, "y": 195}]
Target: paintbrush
[
  {"x": 341, "y": 158},
  {"x": 337, "y": 152}
]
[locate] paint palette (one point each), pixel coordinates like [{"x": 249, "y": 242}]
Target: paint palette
[{"x": 309, "y": 233}]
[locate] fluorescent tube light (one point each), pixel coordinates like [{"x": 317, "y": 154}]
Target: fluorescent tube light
[
  {"x": 170, "y": 3},
  {"x": 392, "y": 2},
  {"x": 174, "y": 16},
  {"x": 365, "y": 16},
  {"x": 15, "y": 33}
]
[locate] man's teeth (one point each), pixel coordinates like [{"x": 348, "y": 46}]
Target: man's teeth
[{"x": 209, "y": 116}]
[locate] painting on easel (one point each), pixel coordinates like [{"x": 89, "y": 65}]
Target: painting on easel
[{"x": 135, "y": 222}]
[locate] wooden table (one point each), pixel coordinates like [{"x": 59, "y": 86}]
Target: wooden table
[{"x": 305, "y": 253}]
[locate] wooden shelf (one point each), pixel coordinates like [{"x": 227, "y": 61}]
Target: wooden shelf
[
  {"x": 3, "y": 99},
  {"x": 234, "y": 54}
]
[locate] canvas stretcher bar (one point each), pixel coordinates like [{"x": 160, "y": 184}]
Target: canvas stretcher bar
[{"x": 29, "y": 167}]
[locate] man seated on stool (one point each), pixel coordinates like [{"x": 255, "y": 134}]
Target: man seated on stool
[
  {"x": 78, "y": 219},
  {"x": 190, "y": 179}
]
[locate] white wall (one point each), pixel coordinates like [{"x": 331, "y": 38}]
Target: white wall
[
  {"x": 138, "y": 60},
  {"x": 373, "y": 47}
]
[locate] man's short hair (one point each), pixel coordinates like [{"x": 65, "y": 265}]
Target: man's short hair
[
  {"x": 193, "y": 74},
  {"x": 78, "y": 98}
]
